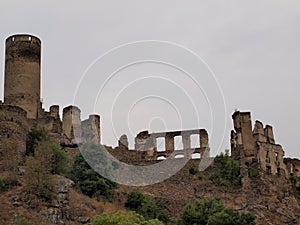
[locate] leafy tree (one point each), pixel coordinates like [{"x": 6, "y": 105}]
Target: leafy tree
[
  {"x": 213, "y": 212},
  {"x": 231, "y": 217},
  {"x": 60, "y": 160},
  {"x": 37, "y": 135},
  {"x": 227, "y": 171},
  {"x": 200, "y": 211},
  {"x": 90, "y": 182},
  {"x": 146, "y": 206},
  {"x": 121, "y": 218}
]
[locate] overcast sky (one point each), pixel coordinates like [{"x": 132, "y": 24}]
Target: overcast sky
[{"x": 249, "y": 59}]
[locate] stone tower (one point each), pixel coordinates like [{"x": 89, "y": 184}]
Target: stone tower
[{"x": 22, "y": 73}]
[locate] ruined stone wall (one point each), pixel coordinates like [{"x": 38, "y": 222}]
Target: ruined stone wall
[
  {"x": 71, "y": 123},
  {"x": 146, "y": 146},
  {"x": 258, "y": 145},
  {"x": 50, "y": 121},
  {"x": 22, "y": 73},
  {"x": 293, "y": 166},
  {"x": 242, "y": 141},
  {"x": 91, "y": 129}
]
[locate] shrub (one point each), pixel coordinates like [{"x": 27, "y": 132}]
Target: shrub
[
  {"x": 3, "y": 184},
  {"x": 39, "y": 136},
  {"x": 146, "y": 206},
  {"x": 193, "y": 170},
  {"x": 90, "y": 182},
  {"x": 59, "y": 159},
  {"x": 121, "y": 218},
  {"x": 227, "y": 171},
  {"x": 213, "y": 212},
  {"x": 294, "y": 180},
  {"x": 253, "y": 173},
  {"x": 199, "y": 175},
  {"x": 35, "y": 135},
  {"x": 196, "y": 172}
]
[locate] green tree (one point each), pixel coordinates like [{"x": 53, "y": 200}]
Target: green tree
[
  {"x": 227, "y": 171},
  {"x": 231, "y": 217},
  {"x": 146, "y": 206},
  {"x": 60, "y": 162},
  {"x": 90, "y": 182},
  {"x": 38, "y": 135},
  {"x": 200, "y": 211},
  {"x": 121, "y": 218},
  {"x": 213, "y": 212}
]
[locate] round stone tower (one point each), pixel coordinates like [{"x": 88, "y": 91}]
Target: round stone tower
[{"x": 22, "y": 73}]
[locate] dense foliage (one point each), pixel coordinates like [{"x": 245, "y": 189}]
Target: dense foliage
[
  {"x": 44, "y": 158},
  {"x": 213, "y": 212},
  {"x": 226, "y": 172},
  {"x": 121, "y": 218},
  {"x": 146, "y": 206},
  {"x": 38, "y": 136},
  {"x": 90, "y": 182}
]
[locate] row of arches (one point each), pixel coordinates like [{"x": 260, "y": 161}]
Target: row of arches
[
  {"x": 178, "y": 142},
  {"x": 179, "y": 156}
]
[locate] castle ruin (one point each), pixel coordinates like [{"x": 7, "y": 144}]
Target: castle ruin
[
  {"x": 22, "y": 106},
  {"x": 22, "y": 109}
]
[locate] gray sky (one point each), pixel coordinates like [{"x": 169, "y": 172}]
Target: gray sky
[{"x": 252, "y": 47}]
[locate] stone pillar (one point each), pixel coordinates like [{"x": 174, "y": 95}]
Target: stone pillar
[
  {"x": 54, "y": 111},
  {"x": 243, "y": 128},
  {"x": 186, "y": 141},
  {"x": 72, "y": 123},
  {"x": 269, "y": 134},
  {"x": 258, "y": 132},
  {"x": 169, "y": 140},
  {"x": 123, "y": 142},
  {"x": 203, "y": 135}
]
